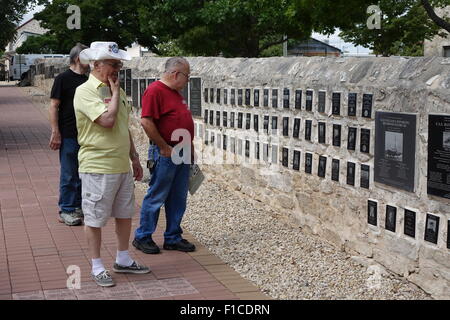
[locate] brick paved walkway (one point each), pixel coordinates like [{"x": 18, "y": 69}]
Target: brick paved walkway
[{"x": 36, "y": 250}]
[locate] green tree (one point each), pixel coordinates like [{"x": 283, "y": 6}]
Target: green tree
[{"x": 41, "y": 44}]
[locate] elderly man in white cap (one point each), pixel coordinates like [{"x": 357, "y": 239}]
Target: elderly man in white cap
[{"x": 106, "y": 148}]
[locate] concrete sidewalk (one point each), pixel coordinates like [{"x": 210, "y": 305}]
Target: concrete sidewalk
[{"x": 36, "y": 250}]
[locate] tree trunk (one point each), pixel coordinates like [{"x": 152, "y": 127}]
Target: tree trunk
[{"x": 433, "y": 16}]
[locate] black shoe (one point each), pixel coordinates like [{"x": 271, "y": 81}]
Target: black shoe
[
  {"x": 182, "y": 245},
  {"x": 146, "y": 246}
]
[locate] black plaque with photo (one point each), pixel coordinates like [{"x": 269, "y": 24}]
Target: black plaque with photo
[
  {"x": 266, "y": 124},
  {"x": 391, "y": 218},
  {"x": 247, "y": 96},
  {"x": 240, "y": 118},
  {"x": 211, "y": 117},
  {"x": 247, "y": 149},
  {"x": 218, "y": 118},
  {"x": 438, "y": 183},
  {"x": 410, "y": 223},
  {"x": 298, "y": 99},
  {"x": 365, "y": 175},
  {"x": 256, "y": 97},
  {"x": 233, "y": 97},
  {"x": 225, "y": 119},
  {"x": 233, "y": 115},
  {"x": 351, "y": 173},
  {"x": 367, "y": 105},
  {"x": 211, "y": 95},
  {"x": 286, "y": 95},
  {"x": 218, "y": 96},
  {"x": 266, "y": 97},
  {"x": 286, "y": 126},
  {"x": 128, "y": 82},
  {"x": 135, "y": 93},
  {"x": 256, "y": 122},
  {"x": 274, "y": 125},
  {"x": 336, "y": 103},
  {"x": 308, "y": 129},
  {"x": 285, "y": 157},
  {"x": 206, "y": 116},
  {"x": 296, "y": 162},
  {"x": 257, "y": 150},
  {"x": 195, "y": 96},
  {"x": 352, "y": 98},
  {"x": 432, "y": 228},
  {"x": 225, "y": 96},
  {"x": 335, "y": 170},
  {"x": 372, "y": 214},
  {"x": 122, "y": 79},
  {"x": 351, "y": 142},
  {"x": 274, "y": 98},
  {"x": 308, "y": 162},
  {"x": 365, "y": 140},
  {"x": 322, "y": 132},
  {"x": 239, "y": 97},
  {"x": 205, "y": 94},
  {"x": 142, "y": 87},
  {"x": 309, "y": 100},
  {"x": 296, "y": 132},
  {"x": 321, "y": 170},
  {"x": 224, "y": 144},
  {"x": 248, "y": 119},
  {"x": 321, "y": 101},
  {"x": 395, "y": 149},
  {"x": 337, "y": 135}
]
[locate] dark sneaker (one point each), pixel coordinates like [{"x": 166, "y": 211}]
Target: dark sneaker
[
  {"x": 69, "y": 218},
  {"x": 182, "y": 245},
  {"x": 146, "y": 246},
  {"x": 103, "y": 279},
  {"x": 134, "y": 268}
]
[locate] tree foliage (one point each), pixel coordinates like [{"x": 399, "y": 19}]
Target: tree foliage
[{"x": 42, "y": 44}]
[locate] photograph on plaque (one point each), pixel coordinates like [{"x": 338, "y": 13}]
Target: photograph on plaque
[
  {"x": 391, "y": 218},
  {"x": 365, "y": 174},
  {"x": 135, "y": 93},
  {"x": 335, "y": 170},
  {"x": 274, "y": 98},
  {"x": 337, "y": 135},
  {"x": 296, "y": 132},
  {"x": 352, "y": 98},
  {"x": 438, "y": 183},
  {"x": 218, "y": 118},
  {"x": 321, "y": 170},
  {"x": 122, "y": 79},
  {"x": 365, "y": 140},
  {"x": 285, "y": 157},
  {"x": 266, "y": 124},
  {"x": 296, "y": 161},
  {"x": 410, "y": 223},
  {"x": 225, "y": 119},
  {"x": 257, "y": 150},
  {"x": 211, "y": 95},
  {"x": 233, "y": 115},
  {"x": 286, "y": 98},
  {"x": 239, "y": 97},
  {"x": 211, "y": 117},
  {"x": 142, "y": 87},
  {"x": 205, "y": 94},
  {"x": 256, "y": 97},
  {"x": 128, "y": 82},
  {"x": 322, "y": 101},
  {"x": 233, "y": 97},
  {"x": 372, "y": 212},
  {"x": 224, "y": 144},
  {"x": 266, "y": 97},
  {"x": 308, "y": 162},
  {"x": 247, "y": 96},
  {"x": 195, "y": 96},
  {"x": 308, "y": 129},
  {"x": 206, "y": 116},
  {"x": 395, "y": 149},
  {"x": 274, "y": 125},
  {"x": 248, "y": 119},
  {"x": 309, "y": 100},
  {"x": 256, "y": 122},
  {"x": 247, "y": 149},
  {"x": 351, "y": 142},
  {"x": 432, "y": 228},
  {"x": 240, "y": 118},
  {"x": 336, "y": 103},
  {"x": 298, "y": 99},
  {"x": 367, "y": 105},
  {"x": 286, "y": 126},
  {"x": 321, "y": 132},
  {"x": 225, "y": 96},
  {"x": 351, "y": 173},
  {"x": 218, "y": 96}
]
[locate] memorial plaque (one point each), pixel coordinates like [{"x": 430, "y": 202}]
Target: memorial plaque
[
  {"x": 448, "y": 234},
  {"x": 257, "y": 150},
  {"x": 286, "y": 97},
  {"x": 233, "y": 97},
  {"x": 224, "y": 144},
  {"x": 135, "y": 93},
  {"x": 211, "y": 95},
  {"x": 308, "y": 162},
  {"x": 239, "y": 98},
  {"x": 211, "y": 117},
  {"x": 256, "y": 122},
  {"x": 275, "y": 98},
  {"x": 274, "y": 125},
  {"x": 225, "y": 119},
  {"x": 218, "y": 118},
  {"x": 351, "y": 142},
  {"x": 296, "y": 164},
  {"x": 308, "y": 129},
  {"x": 337, "y": 135},
  {"x": 365, "y": 175},
  {"x": 365, "y": 140},
  {"x": 225, "y": 96},
  {"x": 432, "y": 228},
  {"x": 296, "y": 133},
  {"x": 352, "y": 98},
  {"x": 309, "y": 100},
  {"x": 248, "y": 119},
  {"x": 151, "y": 80},
  {"x": 322, "y": 101},
  {"x": 336, "y": 103},
  {"x": 335, "y": 170},
  {"x": 266, "y": 124},
  {"x": 438, "y": 183},
  {"x": 266, "y": 97},
  {"x": 256, "y": 97},
  {"x": 367, "y": 105},
  {"x": 233, "y": 145},
  {"x": 240, "y": 118},
  {"x": 395, "y": 149},
  {"x": 122, "y": 79},
  {"x": 391, "y": 218},
  {"x": 233, "y": 115},
  {"x": 286, "y": 126},
  {"x": 351, "y": 173},
  {"x": 247, "y": 149},
  {"x": 218, "y": 96},
  {"x": 285, "y": 160},
  {"x": 298, "y": 99},
  {"x": 205, "y": 94},
  {"x": 206, "y": 116},
  {"x": 372, "y": 213},
  {"x": 274, "y": 154},
  {"x": 410, "y": 223},
  {"x": 128, "y": 82},
  {"x": 247, "y": 96},
  {"x": 266, "y": 152},
  {"x": 322, "y": 166},
  {"x": 142, "y": 87},
  {"x": 195, "y": 96},
  {"x": 322, "y": 132}
]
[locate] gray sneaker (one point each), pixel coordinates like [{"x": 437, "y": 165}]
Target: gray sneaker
[
  {"x": 69, "y": 218},
  {"x": 134, "y": 268},
  {"x": 103, "y": 279},
  {"x": 79, "y": 213}
]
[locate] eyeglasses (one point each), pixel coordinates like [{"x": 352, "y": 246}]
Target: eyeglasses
[
  {"x": 184, "y": 74},
  {"x": 115, "y": 65}
]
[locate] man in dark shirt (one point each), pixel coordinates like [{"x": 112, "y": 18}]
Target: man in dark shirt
[{"x": 64, "y": 136}]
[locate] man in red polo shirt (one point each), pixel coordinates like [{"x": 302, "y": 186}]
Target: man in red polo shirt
[{"x": 163, "y": 112}]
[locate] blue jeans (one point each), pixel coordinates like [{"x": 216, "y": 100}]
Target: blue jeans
[
  {"x": 169, "y": 187},
  {"x": 69, "y": 181}
]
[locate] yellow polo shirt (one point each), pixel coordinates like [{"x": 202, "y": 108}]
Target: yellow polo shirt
[{"x": 102, "y": 150}]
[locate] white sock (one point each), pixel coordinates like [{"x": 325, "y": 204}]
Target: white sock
[
  {"x": 97, "y": 266},
  {"x": 123, "y": 258}
]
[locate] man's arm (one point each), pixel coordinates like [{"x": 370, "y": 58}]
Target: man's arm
[
  {"x": 108, "y": 118},
  {"x": 138, "y": 172},
  {"x": 153, "y": 133},
  {"x": 55, "y": 138}
]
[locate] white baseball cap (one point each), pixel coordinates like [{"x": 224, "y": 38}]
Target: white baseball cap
[{"x": 101, "y": 50}]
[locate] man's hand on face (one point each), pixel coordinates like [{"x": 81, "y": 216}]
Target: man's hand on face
[{"x": 114, "y": 85}]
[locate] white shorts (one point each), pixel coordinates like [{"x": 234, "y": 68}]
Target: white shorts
[{"x": 106, "y": 195}]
